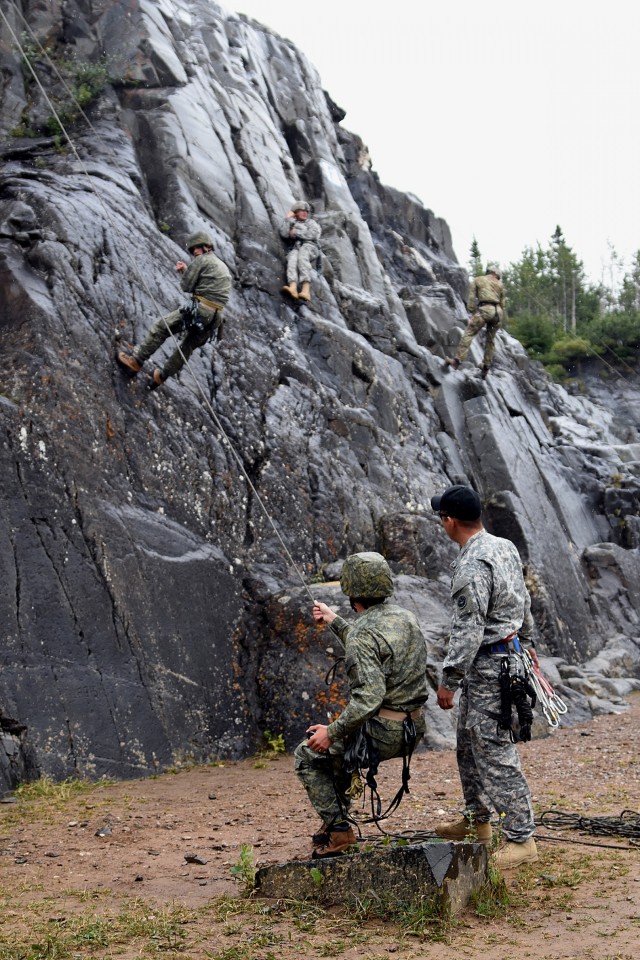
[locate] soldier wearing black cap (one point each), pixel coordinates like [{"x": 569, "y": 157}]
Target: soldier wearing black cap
[{"x": 491, "y": 615}]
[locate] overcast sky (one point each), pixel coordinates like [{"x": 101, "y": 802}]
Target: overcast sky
[{"x": 504, "y": 118}]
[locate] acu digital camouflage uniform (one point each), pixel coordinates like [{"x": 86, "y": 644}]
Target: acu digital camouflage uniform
[
  {"x": 486, "y": 305},
  {"x": 208, "y": 280},
  {"x": 303, "y": 235},
  {"x": 490, "y": 602},
  {"x": 386, "y": 662}
]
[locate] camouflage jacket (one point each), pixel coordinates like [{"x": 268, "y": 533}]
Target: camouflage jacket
[
  {"x": 490, "y": 602},
  {"x": 208, "y": 277},
  {"x": 386, "y": 663},
  {"x": 305, "y": 231},
  {"x": 488, "y": 291}
]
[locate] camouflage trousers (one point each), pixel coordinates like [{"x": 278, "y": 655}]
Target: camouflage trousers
[
  {"x": 323, "y": 775},
  {"x": 474, "y": 327},
  {"x": 172, "y": 324},
  {"x": 488, "y": 762},
  {"x": 300, "y": 261}
]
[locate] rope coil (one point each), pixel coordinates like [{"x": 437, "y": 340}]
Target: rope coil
[{"x": 626, "y": 825}]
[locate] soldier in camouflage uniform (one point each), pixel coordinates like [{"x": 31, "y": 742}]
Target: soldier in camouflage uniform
[
  {"x": 486, "y": 307},
  {"x": 302, "y": 234},
  {"x": 491, "y": 615},
  {"x": 208, "y": 280},
  {"x": 386, "y": 661}
]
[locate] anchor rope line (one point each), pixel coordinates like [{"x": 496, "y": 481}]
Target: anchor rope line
[
  {"x": 429, "y": 836},
  {"x": 140, "y": 277},
  {"x": 610, "y": 365},
  {"x": 625, "y": 826}
]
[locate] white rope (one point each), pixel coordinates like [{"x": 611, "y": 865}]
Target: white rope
[{"x": 552, "y": 706}]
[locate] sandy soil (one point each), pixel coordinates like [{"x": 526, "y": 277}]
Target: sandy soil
[{"x": 135, "y": 886}]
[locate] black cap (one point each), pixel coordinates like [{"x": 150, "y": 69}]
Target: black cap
[{"x": 459, "y": 502}]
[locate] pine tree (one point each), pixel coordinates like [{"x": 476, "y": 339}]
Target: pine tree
[
  {"x": 475, "y": 259},
  {"x": 629, "y": 299}
]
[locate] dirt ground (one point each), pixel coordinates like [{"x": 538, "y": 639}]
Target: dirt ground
[{"x": 65, "y": 891}]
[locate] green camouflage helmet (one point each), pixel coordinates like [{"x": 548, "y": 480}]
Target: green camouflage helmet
[
  {"x": 493, "y": 268},
  {"x": 301, "y": 205},
  {"x": 366, "y": 575},
  {"x": 199, "y": 239}
]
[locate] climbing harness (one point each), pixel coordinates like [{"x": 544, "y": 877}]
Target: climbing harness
[
  {"x": 191, "y": 318},
  {"x": 361, "y": 754},
  {"x": 194, "y": 322},
  {"x": 553, "y": 706}
]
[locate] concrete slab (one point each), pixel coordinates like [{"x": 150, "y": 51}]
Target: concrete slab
[{"x": 447, "y": 873}]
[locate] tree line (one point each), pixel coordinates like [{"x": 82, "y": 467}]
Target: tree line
[{"x": 561, "y": 317}]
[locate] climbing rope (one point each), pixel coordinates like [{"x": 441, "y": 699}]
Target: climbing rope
[
  {"x": 626, "y": 826},
  {"x": 142, "y": 280}
]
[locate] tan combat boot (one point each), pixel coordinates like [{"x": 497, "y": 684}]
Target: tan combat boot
[
  {"x": 291, "y": 289},
  {"x": 305, "y": 293},
  {"x": 513, "y": 854},
  {"x": 465, "y": 829},
  {"x": 337, "y": 842},
  {"x": 128, "y": 363}
]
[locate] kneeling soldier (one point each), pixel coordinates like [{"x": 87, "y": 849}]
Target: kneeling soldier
[{"x": 386, "y": 661}]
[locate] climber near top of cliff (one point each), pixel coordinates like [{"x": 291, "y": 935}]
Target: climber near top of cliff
[
  {"x": 302, "y": 233},
  {"x": 208, "y": 280},
  {"x": 486, "y": 306}
]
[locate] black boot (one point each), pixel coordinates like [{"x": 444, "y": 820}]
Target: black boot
[
  {"x": 321, "y": 836},
  {"x": 155, "y": 381}
]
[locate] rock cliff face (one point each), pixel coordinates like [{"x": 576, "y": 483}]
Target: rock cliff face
[{"x": 150, "y": 613}]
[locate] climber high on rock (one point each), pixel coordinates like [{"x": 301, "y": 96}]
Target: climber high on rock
[
  {"x": 208, "y": 280},
  {"x": 302, "y": 233},
  {"x": 486, "y": 307}
]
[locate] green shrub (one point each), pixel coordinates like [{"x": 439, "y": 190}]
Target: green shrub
[
  {"x": 569, "y": 349},
  {"x": 536, "y": 334},
  {"x": 83, "y": 84}
]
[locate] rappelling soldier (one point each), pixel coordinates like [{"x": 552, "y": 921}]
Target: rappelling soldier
[
  {"x": 208, "y": 280},
  {"x": 302, "y": 233},
  {"x": 486, "y": 306},
  {"x": 386, "y": 661}
]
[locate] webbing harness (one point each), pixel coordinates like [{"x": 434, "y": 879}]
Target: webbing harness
[
  {"x": 192, "y": 319},
  {"x": 362, "y": 754}
]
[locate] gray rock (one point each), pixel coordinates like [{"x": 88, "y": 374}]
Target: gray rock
[
  {"x": 148, "y": 541},
  {"x": 444, "y": 874}
]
